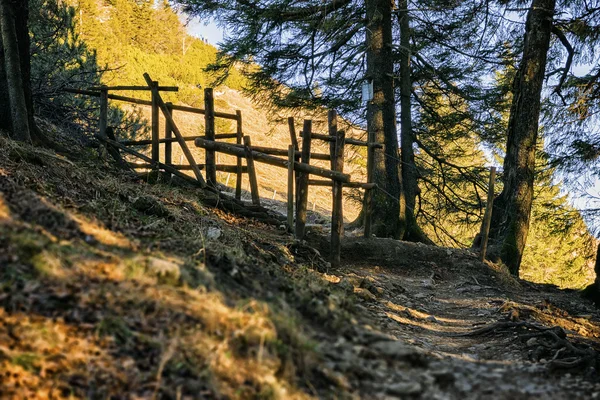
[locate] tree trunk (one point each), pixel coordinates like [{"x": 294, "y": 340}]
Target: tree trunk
[
  {"x": 14, "y": 77},
  {"x": 513, "y": 208},
  {"x": 5, "y": 118},
  {"x": 410, "y": 188},
  {"x": 387, "y": 220}
]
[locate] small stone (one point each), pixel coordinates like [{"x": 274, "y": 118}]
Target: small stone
[
  {"x": 431, "y": 318},
  {"x": 404, "y": 388},
  {"x": 399, "y": 351},
  {"x": 532, "y": 342},
  {"x": 364, "y": 294},
  {"x": 213, "y": 233}
]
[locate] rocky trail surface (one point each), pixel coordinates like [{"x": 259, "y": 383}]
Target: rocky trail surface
[{"x": 111, "y": 287}]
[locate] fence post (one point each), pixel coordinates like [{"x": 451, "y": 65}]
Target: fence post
[
  {"x": 290, "y": 191},
  {"x": 337, "y": 217},
  {"x": 169, "y": 136},
  {"x": 238, "y": 140},
  {"x": 487, "y": 217},
  {"x": 332, "y": 128},
  {"x": 293, "y": 137},
  {"x": 209, "y": 124},
  {"x": 251, "y": 171},
  {"x": 369, "y": 192},
  {"x": 155, "y": 122},
  {"x": 302, "y": 183},
  {"x": 103, "y": 111}
]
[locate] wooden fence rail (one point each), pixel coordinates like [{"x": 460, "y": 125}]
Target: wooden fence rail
[{"x": 294, "y": 159}]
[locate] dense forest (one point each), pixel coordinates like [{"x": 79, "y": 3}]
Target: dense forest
[
  {"x": 158, "y": 280},
  {"x": 460, "y": 115}
]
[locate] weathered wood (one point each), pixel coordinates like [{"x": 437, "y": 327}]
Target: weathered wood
[
  {"x": 238, "y": 141},
  {"x": 155, "y": 121},
  {"x": 103, "y": 112},
  {"x": 292, "y": 128},
  {"x": 355, "y": 142},
  {"x": 209, "y": 131},
  {"x": 133, "y": 100},
  {"x": 232, "y": 149},
  {"x": 290, "y": 183},
  {"x": 219, "y": 167},
  {"x": 152, "y": 163},
  {"x": 225, "y": 135},
  {"x": 329, "y": 183},
  {"x": 251, "y": 171},
  {"x": 168, "y": 138},
  {"x": 145, "y": 142},
  {"x": 302, "y": 183},
  {"x": 281, "y": 152},
  {"x": 160, "y": 88},
  {"x": 332, "y": 130},
  {"x": 114, "y": 151},
  {"x": 487, "y": 218},
  {"x": 178, "y": 134},
  {"x": 337, "y": 217}
]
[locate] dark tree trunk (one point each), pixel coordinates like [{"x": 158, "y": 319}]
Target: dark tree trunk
[
  {"x": 381, "y": 121},
  {"x": 5, "y": 118},
  {"x": 14, "y": 77},
  {"x": 409, "y": 170},
  {"x": 512, "y": 209}
]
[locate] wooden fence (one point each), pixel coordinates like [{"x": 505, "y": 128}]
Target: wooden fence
[{"x": 295, "y": 160}]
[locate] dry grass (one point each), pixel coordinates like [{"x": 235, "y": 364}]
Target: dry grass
[{"x": 99, "y": 298}]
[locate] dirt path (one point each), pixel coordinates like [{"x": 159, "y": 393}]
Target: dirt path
[{"x": 424, "y": 307}]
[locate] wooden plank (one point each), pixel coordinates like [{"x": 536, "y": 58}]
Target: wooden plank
[
  {"x": 133, "y": 100},
  {"x": 337, "y": 217},
  {"x": 281, "y": 152},
  {"x": 168, "y": 135},
  {"x": 238, "y": 140},
  {"x": 153, "y": 164},
  {"x": 184, "y": 148},
  {"x": 145, "y": 142},
  {"x": 160, "y": 88},
  {"x": 209, "y": 131},
  {"x": 355, "y": 142},
  {"x": 328, "y": 183},
  {"x": 155, "y": 121},
  {"x": 302, "y": 184},
  {"x": 292, "y": 128},
  {"x": 487, "y": 218},
  {"x": 219, "y": 167},
  {"x": 232, "y": 149},
  {"x": 290, "y": 190},
  {"x": 251, "y": 171},
  {"x": 332, "y": 130},
  {"x": 103, "y": 112},
  {"x": 225, "y": 135}
]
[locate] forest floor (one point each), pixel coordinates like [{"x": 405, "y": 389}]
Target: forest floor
[{"x": 111, "y": 287}]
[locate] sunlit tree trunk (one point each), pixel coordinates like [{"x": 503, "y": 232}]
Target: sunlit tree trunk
[
  {"x": 512, "y": 210},
  {"x": 14, "y": 77},
  {"x": 387, "y": 220}
]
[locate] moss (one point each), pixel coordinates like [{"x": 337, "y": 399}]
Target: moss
[{"x": 27, "y": 361}]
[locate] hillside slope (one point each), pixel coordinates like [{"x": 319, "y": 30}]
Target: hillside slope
[{"x": 111, "y": 287}]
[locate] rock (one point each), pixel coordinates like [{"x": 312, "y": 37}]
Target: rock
[
  {"x": 431, "y": 318},
  {"x": 150, "y": 206},
  {"x": 345, "y": 285},
  {"x": 532, "y": 342},
  {"x": 444, "y": 377},
  {"x": 213, "y": 233},
  {"x": 165, "y": 271},
  {"x": 396, "y": 350},
  {"x": 404, "y": 388},
  {"x": 364, "y": 294},
  {"x": 336, "y": 378}
]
